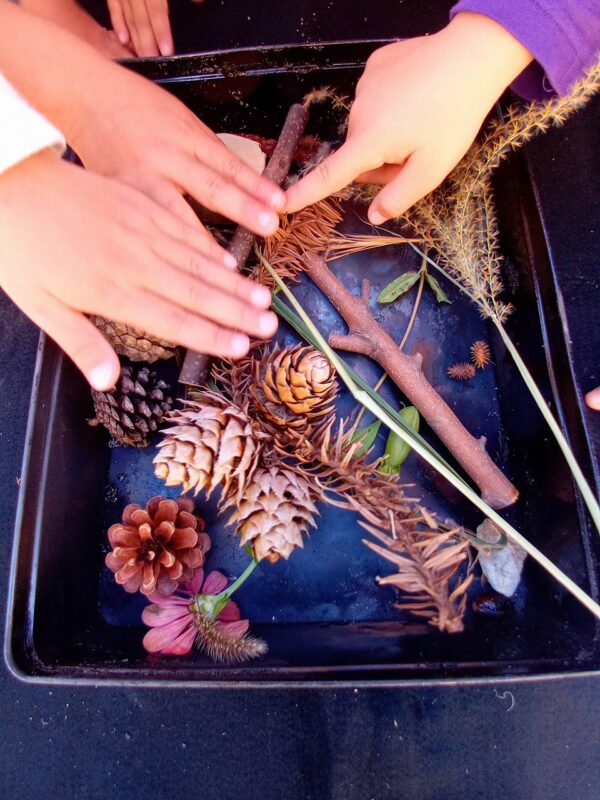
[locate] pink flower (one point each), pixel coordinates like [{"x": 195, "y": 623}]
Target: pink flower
[{"x": 173, "y": 620}]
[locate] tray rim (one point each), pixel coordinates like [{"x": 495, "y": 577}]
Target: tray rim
[{"x": 46, "y": 346}]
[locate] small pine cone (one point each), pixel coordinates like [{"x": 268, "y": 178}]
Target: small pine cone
[
  {"x": 134, "y": 408},
  {"x": 294, "y": 388},
  {"x": 156, "y": 548},
  {"x": 461, "y": 372},
  {"x": 132, "y": 342},
  {"x": 480, "y": 354},
  {"x": 275, "y": 512},
  {"x": 211, "y": 443}
]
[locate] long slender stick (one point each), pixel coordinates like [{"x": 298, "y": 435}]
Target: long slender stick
[
  {"x": 584, "y": 487},
  {"x": 197, "y": 365},
  {"x": 365, "y": 336},
  {"x": 362, "y": 397}
]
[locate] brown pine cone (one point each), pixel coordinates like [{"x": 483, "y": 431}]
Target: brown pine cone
[
  {"x": 134, "y": 408},
  {"x": 294, "y": 388},
  {"x": 156, "y": 548},
  {"x": 275, "y": 512},
  {"x": 132, "y": 342},
  {"x": 211, "y": 443}
]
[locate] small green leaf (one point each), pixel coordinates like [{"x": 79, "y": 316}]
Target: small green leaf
[
  {"x": 397, "y": 287},
  {"x": 366, "y": 436},
  {"x": 396, "y": 449},
  {"x": 440, "y": 294}
]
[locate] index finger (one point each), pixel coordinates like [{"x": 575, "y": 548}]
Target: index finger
[{"x": 331, "y": 175}]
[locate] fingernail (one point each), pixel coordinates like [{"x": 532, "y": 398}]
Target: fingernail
[
  {"x": 102, "y": 377},
  {"x": 593, "y": 399},
  {"x": 260, "y": 296},
  {"x": 268, "y": 222},
  {"x": 166, "y": 48},
  {"x": 230, "y": 261},
  {"x": 277, "y": 200},
  {"x": 123, "y": 37},
  {"x": 267, "y": 323},
  {"x": 240, "y": 344},
  {"x": 376, "y": 217}
]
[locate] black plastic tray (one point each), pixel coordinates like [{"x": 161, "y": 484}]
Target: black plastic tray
[{"x": 323, "y": 616}]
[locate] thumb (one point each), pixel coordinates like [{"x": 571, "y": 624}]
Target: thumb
[
  {"x": 593, "y": 399},
  {"x": 331, "y": 175},
  {"x": 413, "y": 182},
  {"x": 82, "y": 342}
]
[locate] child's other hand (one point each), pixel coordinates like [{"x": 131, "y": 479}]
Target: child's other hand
[
  {"x": 143, "y": 23},
  {"x": 593, "y": 399},
  {"x": 74, "y": 243},
  {"x": 130, "y": 129},
  {"x": 418, "y": 107}
]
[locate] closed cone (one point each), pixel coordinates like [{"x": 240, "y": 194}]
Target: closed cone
[
  {"x": 134, "y": 408},
  {"x": 133, "y": 342},
  {"x": 275, "y": 512}
]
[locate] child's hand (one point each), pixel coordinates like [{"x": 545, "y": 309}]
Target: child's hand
[
  {"x": 73, "y": 242},
  {"x": 130, "y": 129},
  {"x": 418, "y": 107},
  {"x": 143, "y": 23},
  {"x": 593, "y": 399}
]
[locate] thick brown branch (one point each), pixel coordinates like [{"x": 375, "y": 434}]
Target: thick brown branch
[
  {"x": 367, "y": 337},
  {"x": 196, "y": 366}
]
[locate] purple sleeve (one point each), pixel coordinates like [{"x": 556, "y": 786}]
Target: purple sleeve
[{"x": 562, "y": 35}]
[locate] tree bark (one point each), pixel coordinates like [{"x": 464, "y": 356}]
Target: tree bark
[{"x": 367, "y": 337}]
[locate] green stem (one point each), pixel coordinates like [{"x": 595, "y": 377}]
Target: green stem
[
  {"x": 362, "y": 397},
  {"x": 237, "y": 583},
  {"x": 584, "y": 487}
]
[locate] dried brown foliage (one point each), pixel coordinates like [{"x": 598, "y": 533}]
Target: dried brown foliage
[{"x": 427, "y": 561}]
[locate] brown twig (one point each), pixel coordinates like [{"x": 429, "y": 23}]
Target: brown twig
[
  {"x": 367, "y": 337},
  {"x": 196, "y": 366}
]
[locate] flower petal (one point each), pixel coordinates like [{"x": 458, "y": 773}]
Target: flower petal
[
  {"x": 230, "y": 613},
  {"x": 148, "y": 584},
  {"x": 233, "y": 629},
  {"x": 168, "y": 600},
  {"x": 204, "y": 542},
  {"x": 127, "y": 571},
  {"x": 182, "y": 645},
  {"x": 155, "y": 615},
  {"x": 158, "y": 638},
  {"x": 113, "y": 563},
  {"x": 214, "y": 583},
  {"x": 193, "y": 587},
  {"x": 165, "y": 585},
  {"x": 164, "y": 531},
  {"x": 133, "y": 584}
]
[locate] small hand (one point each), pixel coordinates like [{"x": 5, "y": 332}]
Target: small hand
[
  {"x": 418, "y": 107},
  {"x": 143, "y": 23},
  {"x": 125, "y": 127},
  {"x": 593, "y": 399},
  {"x": 74, "y": 243}
]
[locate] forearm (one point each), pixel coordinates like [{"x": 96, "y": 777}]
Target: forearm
[
  {"x": 562, "y": 35},
  {"x": 66, "y": 68}
]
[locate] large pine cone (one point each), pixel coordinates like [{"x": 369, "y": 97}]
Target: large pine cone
[
  {"x": 212, "y": 443},
  {"x": 294, "y": 388},
  {"x": 132, "y": 342},
  {"x": 275, "y": 512},
  {"x": 156, "y": 548},
  {"x": 135, "y": 408}
]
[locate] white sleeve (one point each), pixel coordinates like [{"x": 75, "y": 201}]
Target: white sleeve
[{"x": 23, "y": 130}]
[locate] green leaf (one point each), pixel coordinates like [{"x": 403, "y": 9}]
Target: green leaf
[
  {"x": 366, "y": 436},
  {"x": 396, "y": 449},
  {"x": 397, "y": 287},
  {"x": 440, "y": 294}
]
